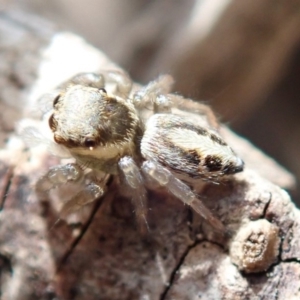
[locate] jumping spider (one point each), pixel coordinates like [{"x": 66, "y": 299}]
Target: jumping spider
[{"x": 138, "y": 134}]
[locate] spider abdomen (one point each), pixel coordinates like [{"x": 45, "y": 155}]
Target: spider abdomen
[{"x": 184, "y": 147}]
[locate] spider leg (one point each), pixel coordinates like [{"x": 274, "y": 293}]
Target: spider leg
[
  {"x": 135, "y": 183},
  {"x": 62, "y": 174},
  {"x": 88, "y": 194},
  {"x": 155, "y": 94},
  {"x": 196, "y": 108},
  {"x": 57, "y": 176},
  {"x": 121, "y": 79},
  {"x": 181, "y": 191},
  {"x": 86, "y": 79}
]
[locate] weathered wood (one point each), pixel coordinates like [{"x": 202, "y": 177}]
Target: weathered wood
[{"x": 106, "y": 257}]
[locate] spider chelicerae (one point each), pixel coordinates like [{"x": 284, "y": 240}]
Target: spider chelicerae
[{"x": 112, "y": 128}]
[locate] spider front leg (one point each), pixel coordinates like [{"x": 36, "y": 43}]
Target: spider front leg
[
  {"x": 119, "y": 79},
  {"x": 180, "y": 190},
  {"x": 135, "y": 183},
  {"x": 57, "y": 176},
  {"x": 63, "y": 174}
]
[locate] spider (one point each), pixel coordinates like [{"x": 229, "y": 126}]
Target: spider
[{"x": 139, "y": 134}]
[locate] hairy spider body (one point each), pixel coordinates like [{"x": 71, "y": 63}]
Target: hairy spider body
[
  {"x": 187, "y": 148},
  {"x": 108, "y": 132}
]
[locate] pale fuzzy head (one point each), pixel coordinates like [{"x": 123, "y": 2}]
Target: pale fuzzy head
[{"x": 87, "y": 117}]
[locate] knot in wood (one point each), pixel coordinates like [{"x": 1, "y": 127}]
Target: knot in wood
[{"x": 256, "y": 246}]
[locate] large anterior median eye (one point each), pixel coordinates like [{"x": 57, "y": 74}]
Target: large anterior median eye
[{"x": 89, "y": 142}]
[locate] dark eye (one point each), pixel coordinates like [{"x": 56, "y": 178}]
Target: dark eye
[
  {"x": 89, "y": 142},
  {"x": 56, "y": 100},
  {"x": 103, "y": 90},
  {"x": 52, "y": 123}
]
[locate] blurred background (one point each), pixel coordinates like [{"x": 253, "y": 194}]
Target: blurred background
[{"x": 241, "y": 57}]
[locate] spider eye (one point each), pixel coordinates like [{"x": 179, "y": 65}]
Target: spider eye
[
  {"x": 56, "y": 100},
  {"x": 89, "y": 143},
  {"x": 52, "y": 123},
  {"x": 102, "y": 90}
]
